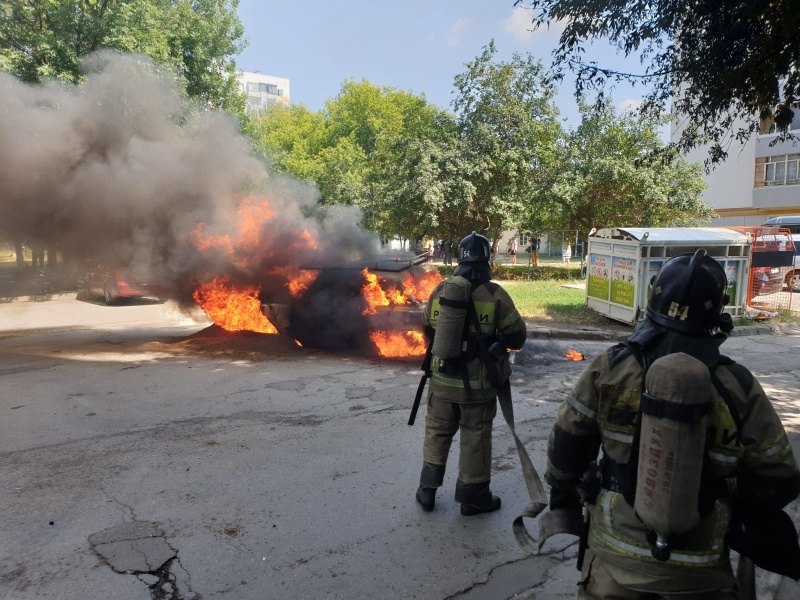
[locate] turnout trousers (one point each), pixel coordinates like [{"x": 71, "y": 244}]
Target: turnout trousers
[{"x": 443, "y": 420}]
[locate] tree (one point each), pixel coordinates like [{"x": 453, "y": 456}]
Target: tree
[
  {"x": 607, "y": 180},
  {"x": 47, "y": 38},
  {"x": 506, "y": 115},
  {"x": 724, "y": 64},
  {"x": 291, "y": 138},
  {"x": 421, "y": 184}
]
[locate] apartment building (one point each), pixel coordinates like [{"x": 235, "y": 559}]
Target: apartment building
[
  {"x": 262, "y": 90},
  {"x": 759, "y": 180}
]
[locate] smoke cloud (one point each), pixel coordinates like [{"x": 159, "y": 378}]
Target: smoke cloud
[{"x": 123, "y": 169}]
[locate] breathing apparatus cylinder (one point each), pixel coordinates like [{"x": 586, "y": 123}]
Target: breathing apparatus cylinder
[
  {"x": 671, "y": 447},
  {"x": 452, "y": 316}
]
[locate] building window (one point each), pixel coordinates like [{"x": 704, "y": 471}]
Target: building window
[
  {"x": 782, "y": 170},
  {"x": 252, "y": 87},
  {"x": 269, "y": 88}
]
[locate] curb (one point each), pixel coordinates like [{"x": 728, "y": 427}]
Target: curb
[{"x": 596, "y": 334}]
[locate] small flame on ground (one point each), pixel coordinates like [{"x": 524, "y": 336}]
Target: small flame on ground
[
  {"x": 397, "y": 344},
  {"x": 573, "y": 355},
  {"x": 232, "y": 309}
]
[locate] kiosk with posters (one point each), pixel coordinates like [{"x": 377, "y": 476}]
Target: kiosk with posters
[{"x": 622, "y": 262}]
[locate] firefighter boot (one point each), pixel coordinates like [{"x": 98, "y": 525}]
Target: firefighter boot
[
  {"x": 426, "y": 498},
  {"x": 430, "y": 479},
  {"x": 476, "y": 498}
]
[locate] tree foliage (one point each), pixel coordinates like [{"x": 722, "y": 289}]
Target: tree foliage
[
  {"x": 606, "y": 179},
  {"x": 724, "y": 64},
  {"x": 421, "y": 184},
  {"x": 500, "y": 162},
  {"x": 47, "y": 38},
  {"x": 506, "y": 115}
]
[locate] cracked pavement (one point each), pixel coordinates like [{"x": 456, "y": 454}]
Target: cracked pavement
[{"x": 166, "y": 467}]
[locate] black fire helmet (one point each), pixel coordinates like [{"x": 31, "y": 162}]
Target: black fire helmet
[
  {"x": 474, "y": 249},
  {"x": 688, "y": 295}
]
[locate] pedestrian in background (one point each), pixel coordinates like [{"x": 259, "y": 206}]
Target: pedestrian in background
[{"x": 566, "y": 254}]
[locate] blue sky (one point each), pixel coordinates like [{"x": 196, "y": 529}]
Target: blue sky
[{"x": 413, "y": 45}]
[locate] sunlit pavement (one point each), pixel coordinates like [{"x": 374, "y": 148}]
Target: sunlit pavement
[{"x": 136, "y": 458}]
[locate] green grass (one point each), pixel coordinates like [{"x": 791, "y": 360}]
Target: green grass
[{"x": 547, "y": 300}]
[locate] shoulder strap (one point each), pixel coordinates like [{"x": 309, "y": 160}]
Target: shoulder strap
[{"x": 726, "y": 396}]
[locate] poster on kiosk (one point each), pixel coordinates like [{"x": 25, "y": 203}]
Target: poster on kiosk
[{"x": 622, "y": 264}]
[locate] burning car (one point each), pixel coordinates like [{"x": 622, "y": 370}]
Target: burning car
[
  {"x": 270, "y": 270},
  {"x": 361, "y": 307}
]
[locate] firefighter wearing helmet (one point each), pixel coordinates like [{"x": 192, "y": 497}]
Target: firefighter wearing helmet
[
  {"x": 695, "y": 459},
  {"x": 462, "y": 309}
]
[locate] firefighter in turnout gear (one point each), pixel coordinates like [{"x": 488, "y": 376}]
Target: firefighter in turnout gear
[
  {"x": 460, "y": 395},
  {"x": 694, "y": 458}
]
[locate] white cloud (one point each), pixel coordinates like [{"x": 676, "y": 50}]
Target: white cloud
[
  {"x": 629, "y": 104},
  {"x": 519, "y": 25},
  {"x": 454, "y": 35}
]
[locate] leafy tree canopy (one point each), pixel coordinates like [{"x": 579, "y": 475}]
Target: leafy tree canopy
[
  {"x": 605, "y": 181},
  {"x": 724, "y": 64},
  {"x": 506, "y": 115},
  {"x": 47, "y": 38},
  {"x": 421, "y": 184}
]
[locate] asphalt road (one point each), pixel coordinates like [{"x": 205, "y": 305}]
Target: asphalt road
[{"x": 141, "y": 458}]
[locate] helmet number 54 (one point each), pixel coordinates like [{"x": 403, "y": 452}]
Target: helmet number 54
[{"x": 676, "y": 310}]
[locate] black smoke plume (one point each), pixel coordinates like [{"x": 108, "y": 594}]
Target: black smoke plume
[{"x": 122, "y": 168}]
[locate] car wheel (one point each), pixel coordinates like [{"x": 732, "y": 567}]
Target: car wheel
[
  {"x": 793, "y": 281},
  {"x": 107, "y": 295}
]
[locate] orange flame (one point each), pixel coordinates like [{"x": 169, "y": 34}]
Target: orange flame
[
  {"x": 297, "y": 281},
  {"x": 396, "y": 344},
  {"x": 420, "y": 289},
  {"x": 232, "y": 309},
  {"x": 373, "y": 293},
  {"x": 573, "y": 355}
]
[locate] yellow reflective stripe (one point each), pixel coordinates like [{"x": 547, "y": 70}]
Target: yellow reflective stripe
[
  {"x": 617, "y": 437},
  {"x": 606, "y": 506},
  {"x": 508, "y": 320},
  {"x": 643, "y": 552},
  {"x": 485, "y": 312},
  {"x": 603, "y": 529},
  {"x": 781, "y": 446},
  {"x": 459, "y": 383},
  {"x": 581, "y": 408},
  {"x": 434, "y": 307},
  {"x": 722, "y": 458}
]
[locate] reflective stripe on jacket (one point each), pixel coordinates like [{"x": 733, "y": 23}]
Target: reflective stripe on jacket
[
  {"x": 603, "y": 410},
  {"x": 496, "y": 315}
]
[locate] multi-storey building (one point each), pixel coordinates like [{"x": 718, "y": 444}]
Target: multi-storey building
[
  {"x": 262, "y": 90},
  {"x": 759, "y": 179}
]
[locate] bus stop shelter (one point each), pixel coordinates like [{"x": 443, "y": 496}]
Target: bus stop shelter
[{"x": 622, "y": 262}]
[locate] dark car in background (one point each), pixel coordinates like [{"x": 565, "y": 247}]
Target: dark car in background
[{"x": 112, "y": 284}]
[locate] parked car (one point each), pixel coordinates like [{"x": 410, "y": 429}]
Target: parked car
[
  {"x": 767, "y": 280},
  {"x": 112, "y": 284},
  {"x": 792, "y": 223},
  {"x": 792, "y": 279}
]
